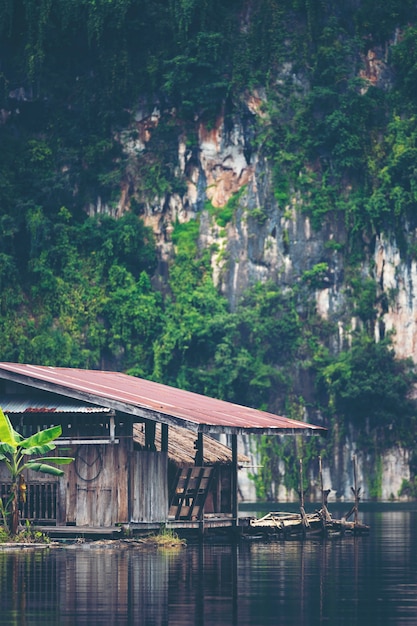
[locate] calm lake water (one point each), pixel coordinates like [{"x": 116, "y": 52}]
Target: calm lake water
[{"x": 368, "y": 581}]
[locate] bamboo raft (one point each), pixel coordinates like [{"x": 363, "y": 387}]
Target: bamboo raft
[
  {"x": 319, "y": 523},
  {"x": 303, "y": 525}
]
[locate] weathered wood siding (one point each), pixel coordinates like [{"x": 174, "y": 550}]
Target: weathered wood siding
[
  {"x": 107, "y": 484},
  {"x": 149, "y": 486},
  {"x": 96, "y": 492}
]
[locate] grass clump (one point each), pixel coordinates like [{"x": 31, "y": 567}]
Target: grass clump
[
  {"x": 24, "y": 535},
  {"x": 166, "y": 538}
]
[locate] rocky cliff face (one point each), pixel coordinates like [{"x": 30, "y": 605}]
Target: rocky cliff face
[
  {"x": 398, "y": 279},
  {"x": 267, "y": 241}
]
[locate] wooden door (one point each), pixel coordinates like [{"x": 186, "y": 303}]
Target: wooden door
[
  {"x": 149, "y": 486},
  {"x": 94, "y": 506}
]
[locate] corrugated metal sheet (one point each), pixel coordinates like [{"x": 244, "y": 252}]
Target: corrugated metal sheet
[
  {"x": 26, "y": 405},
  {"x": 151, "y": 400}
]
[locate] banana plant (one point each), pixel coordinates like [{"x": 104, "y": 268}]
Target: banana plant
[{"x": 15, "y": 451}]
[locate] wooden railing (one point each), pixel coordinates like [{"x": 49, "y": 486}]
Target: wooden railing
[{"x": 40, "y": 504}]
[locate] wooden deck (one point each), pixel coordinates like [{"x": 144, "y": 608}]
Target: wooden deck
[
  {"x": 271, "y": 526},
  {"x": 208, "y": 524},
  {"x": 80, "y": 532}
]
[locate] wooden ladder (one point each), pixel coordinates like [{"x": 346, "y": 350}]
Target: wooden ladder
[{"x": 189, "y": 492}]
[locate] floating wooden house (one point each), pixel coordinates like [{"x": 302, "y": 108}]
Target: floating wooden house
[{"x": 144, "y": 452}]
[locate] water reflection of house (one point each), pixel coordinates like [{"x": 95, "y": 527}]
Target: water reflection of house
[{"x": 143, "y": 454}]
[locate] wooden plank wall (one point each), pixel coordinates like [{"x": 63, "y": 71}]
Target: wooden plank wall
[
  {"x": 96, "y": 487},
  {"x": 96, "y": 493},
  {"x": 149, "y": 486}
]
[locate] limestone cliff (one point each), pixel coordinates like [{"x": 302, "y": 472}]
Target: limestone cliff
[{"x": 266, "y": 239}]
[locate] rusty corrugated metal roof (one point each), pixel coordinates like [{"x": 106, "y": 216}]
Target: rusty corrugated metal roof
[
  {"x": 17, "y": 406},
  {"x": 144, "y": 398}
]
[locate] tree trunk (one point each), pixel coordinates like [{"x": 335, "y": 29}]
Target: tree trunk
[{"x": 15, "y": 509}]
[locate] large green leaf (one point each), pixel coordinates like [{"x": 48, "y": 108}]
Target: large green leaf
[
  {"x": 38, "y": 450},
  {"x": 59, "y": 460},
  {"x": 42, "y": 437},
  {"x": 6, "y": 448},
  {"x": 7, "y": 433},
  {"x": 42, "y": 467}
]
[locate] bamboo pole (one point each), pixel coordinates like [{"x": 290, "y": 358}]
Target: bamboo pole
[
  {"x": 355, "y": 482},
  {"x": 302, "y": 511},
  {"x": 356, "y": 495},
  {"x": 323, "y": 504},
  {"x": 324, "y": 495}
]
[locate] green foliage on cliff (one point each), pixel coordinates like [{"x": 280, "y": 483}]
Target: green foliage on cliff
[
  {"x": 73, "y": 73},
  {"x": 370, "y": 388},
  {"x": 80, "y": 292}
]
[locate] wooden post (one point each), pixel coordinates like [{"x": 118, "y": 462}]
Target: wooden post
[
  {"x": 164, "y": 437},
  {"x": 164, "y": 449},
  {"x": 112, "y": 428},
  {"x": 234, "y": 481},
  {"x": 301, "y": 485},
  {"x": 199, "y": 455},
  {"x": 356, "y": 490},
  {"x": 150, "y": 428},
  {"x": 321, "y": 483},
  {"x": 302, "y": 511},
  {"x": 356, "y": 494},
  {"x": 324, "y": 495}
]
